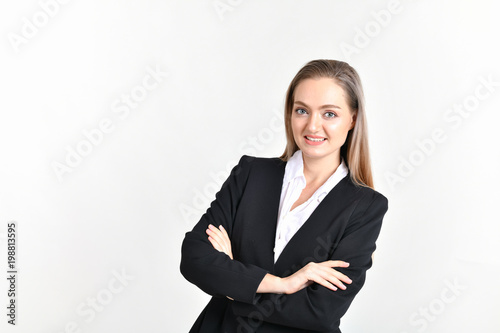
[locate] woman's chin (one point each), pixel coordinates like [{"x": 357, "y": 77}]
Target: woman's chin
[{"x": 313, "y": 153}]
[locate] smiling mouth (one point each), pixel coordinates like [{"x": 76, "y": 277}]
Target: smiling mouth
[{"x": 315, "y": 139}]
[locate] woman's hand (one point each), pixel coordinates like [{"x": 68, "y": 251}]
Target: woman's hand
[
  {"x": 220, "y": 239},
  {"x": 321, "y": 273}
]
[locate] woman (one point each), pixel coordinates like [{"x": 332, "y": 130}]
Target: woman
[{"x": 286, "y": 244}]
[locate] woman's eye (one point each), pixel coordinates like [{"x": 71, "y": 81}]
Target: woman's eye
[
  {"x": 300, "y": 111},
  {"x": 330, "y": 114}
]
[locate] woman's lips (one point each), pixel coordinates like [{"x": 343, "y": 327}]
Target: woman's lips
[{"x": 314, "y": 140}]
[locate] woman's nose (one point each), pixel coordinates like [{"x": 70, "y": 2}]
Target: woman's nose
[{"x": 314, "y": 122}]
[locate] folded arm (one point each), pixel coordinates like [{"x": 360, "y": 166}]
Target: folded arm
[
  {"x": 321, "y": 273},
  {"x": 212, "y": 271}
]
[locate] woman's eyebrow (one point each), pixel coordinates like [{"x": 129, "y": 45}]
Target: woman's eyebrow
[{"x": 326, "y": 106}]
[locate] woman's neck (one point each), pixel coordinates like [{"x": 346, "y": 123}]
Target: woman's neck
[{"x": 318, "y": 170}]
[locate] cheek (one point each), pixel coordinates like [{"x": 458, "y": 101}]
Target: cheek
[
  {"x": 296, "y": 126},
  {"x": 338, "y": 130},
  {"x": 333, "y": 127}
]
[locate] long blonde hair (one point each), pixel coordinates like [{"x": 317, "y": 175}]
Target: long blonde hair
[{"x": 355, "y": 149}]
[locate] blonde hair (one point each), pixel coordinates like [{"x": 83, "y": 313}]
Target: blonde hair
[{"x": 355, "y": 149}]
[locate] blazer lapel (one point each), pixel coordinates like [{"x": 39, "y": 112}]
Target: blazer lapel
[
  {"x": 257, "y": 215},
  {"x": 271, "y": 196}
]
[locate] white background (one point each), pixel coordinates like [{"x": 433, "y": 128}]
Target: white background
[{"x": 125, "y": 206}]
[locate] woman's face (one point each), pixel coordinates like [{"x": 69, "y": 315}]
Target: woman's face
[{"x": 321, "y": 118}]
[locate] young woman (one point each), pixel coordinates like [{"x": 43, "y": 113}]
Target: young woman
[{"x": 286, "y": 244}]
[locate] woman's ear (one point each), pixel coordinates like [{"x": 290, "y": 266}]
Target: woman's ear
[{"x": 353, "y": 121}]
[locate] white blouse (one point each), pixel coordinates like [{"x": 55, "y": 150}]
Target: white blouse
[{"x": 293, "y": 184}]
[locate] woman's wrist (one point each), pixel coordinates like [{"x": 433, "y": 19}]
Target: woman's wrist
[{"x": 272, "y": 284}]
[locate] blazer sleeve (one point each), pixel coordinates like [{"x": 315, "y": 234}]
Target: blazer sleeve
[
  {"x": 316, "y": 307},
  {"x": 212, "y": 271}
]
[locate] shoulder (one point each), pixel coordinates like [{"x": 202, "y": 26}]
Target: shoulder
[
  {"x": 262, "y": 161},
  {"x": 366, "y": 197},
  {"x": 258, "y": 168},
  {"x": 254, "y": 163}
]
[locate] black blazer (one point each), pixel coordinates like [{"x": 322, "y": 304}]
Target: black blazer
[{"x": 344, "y": 226}]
